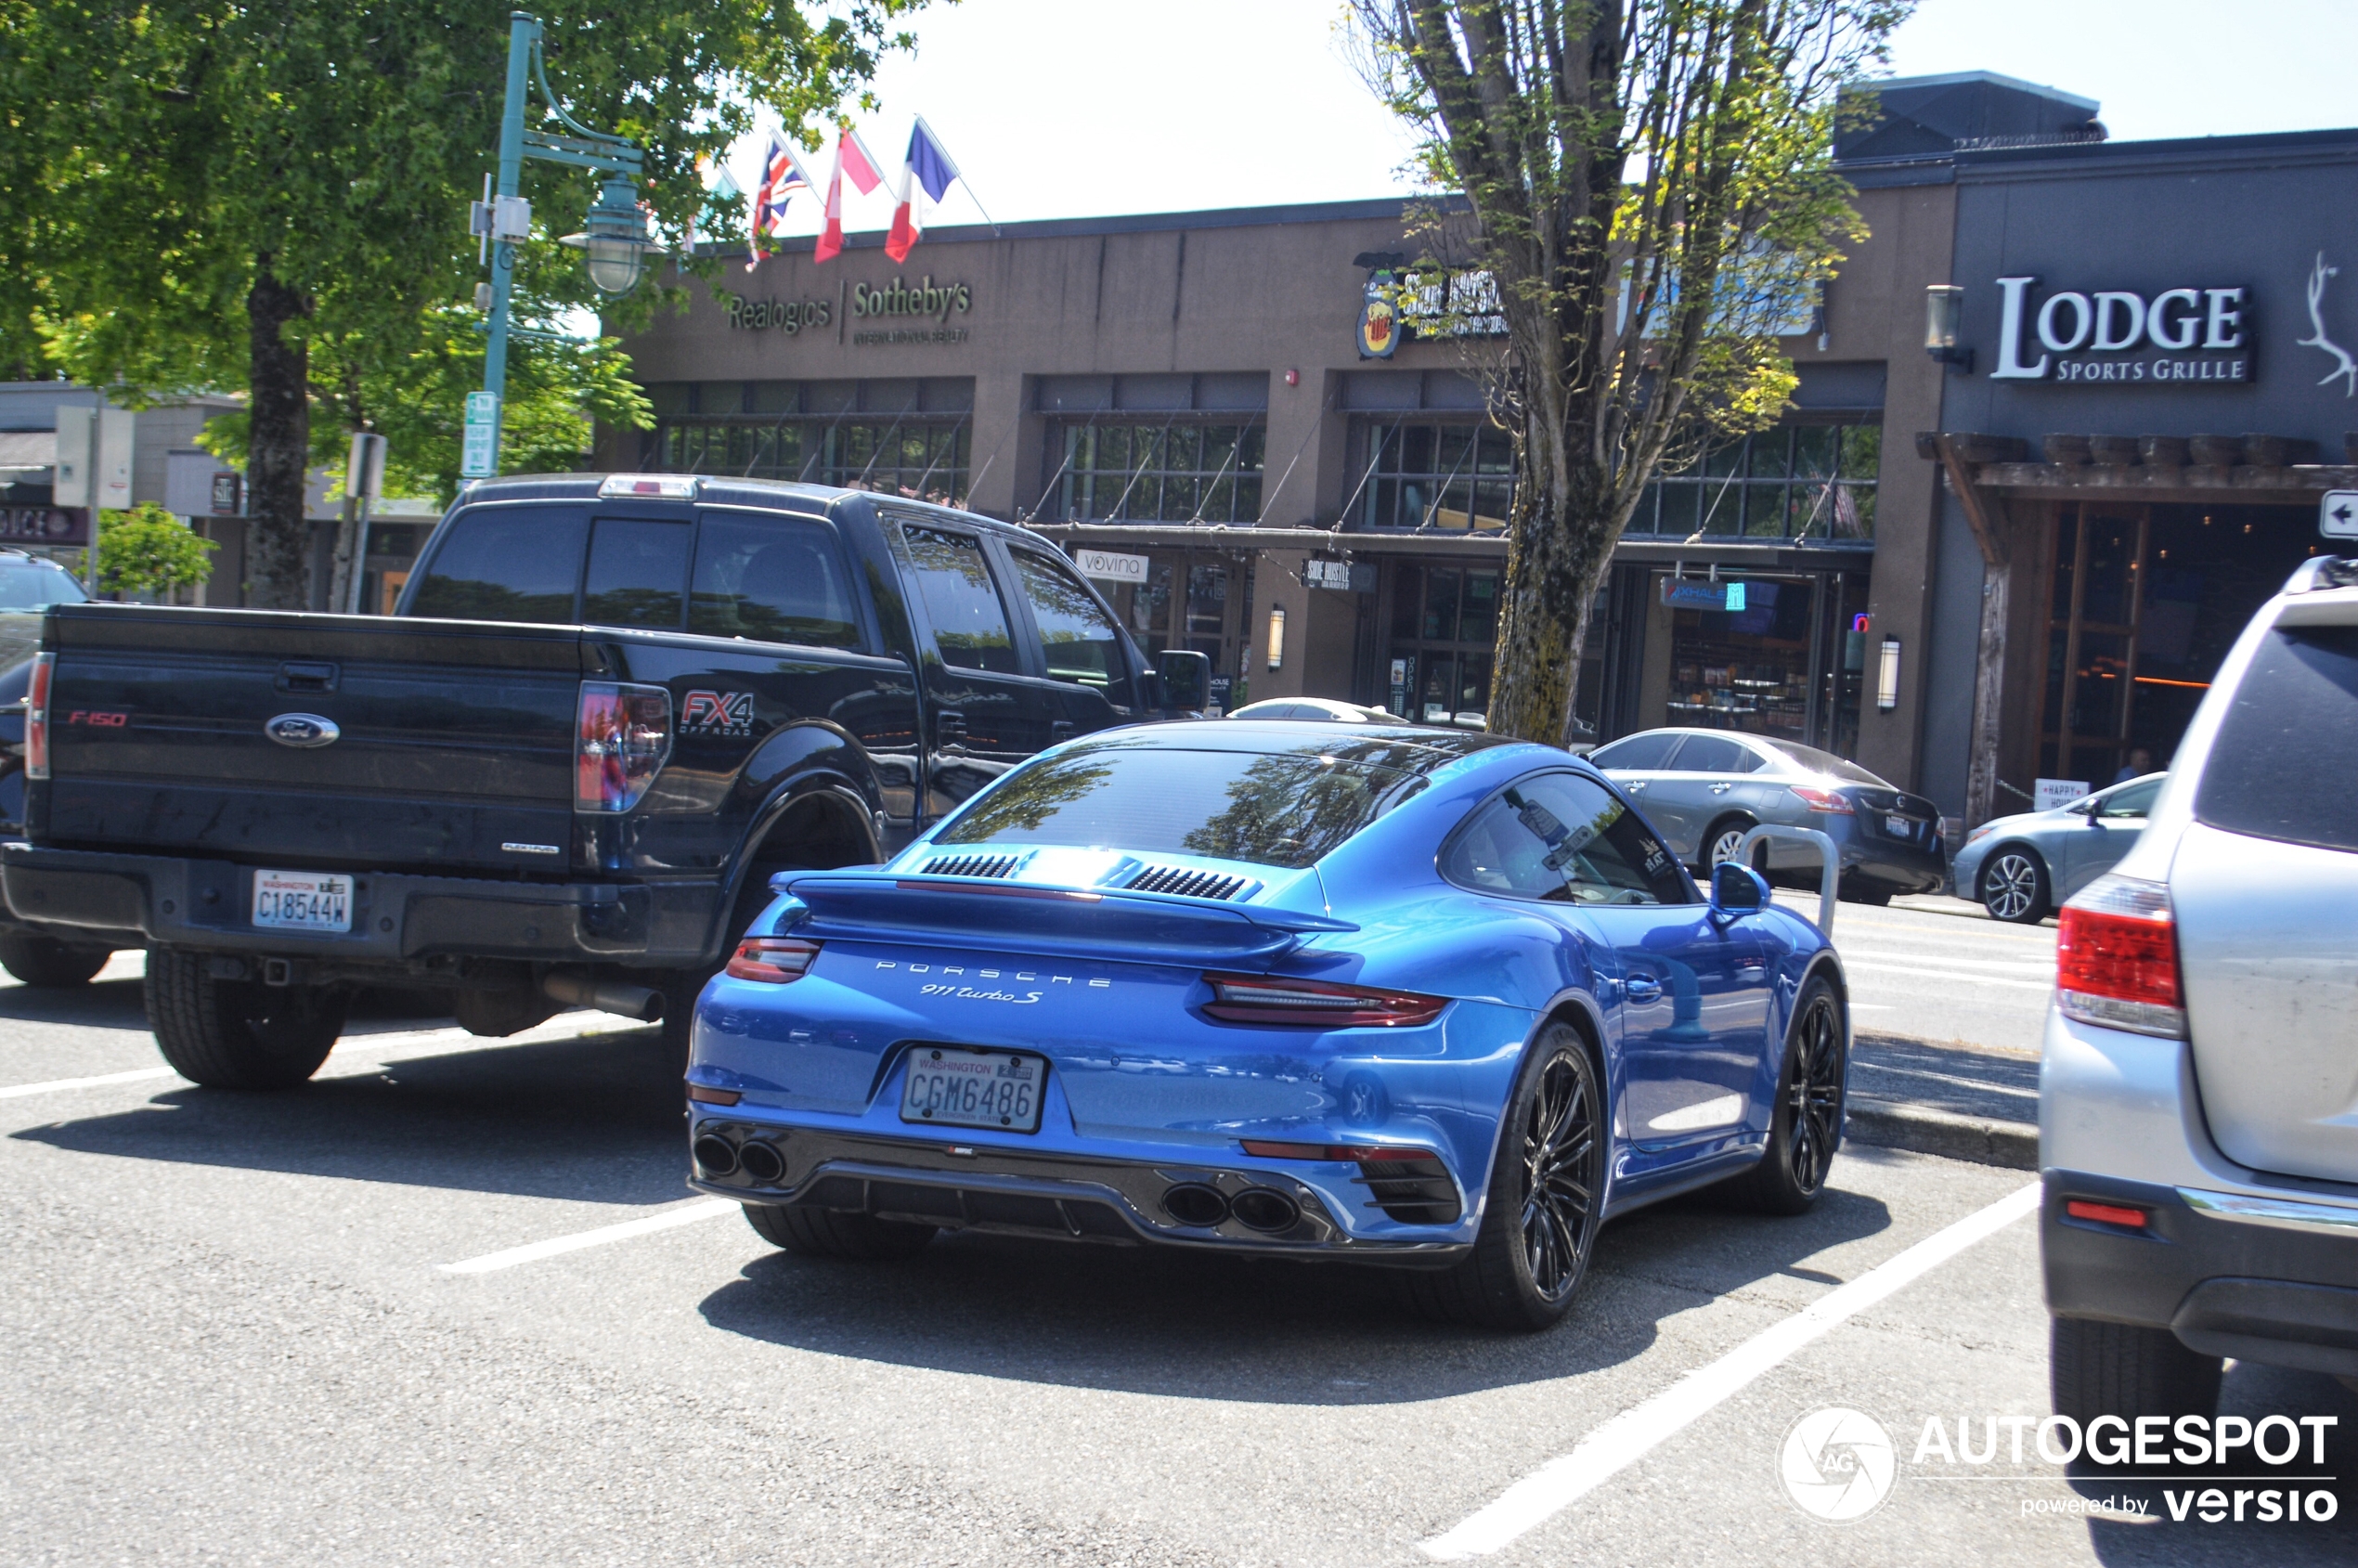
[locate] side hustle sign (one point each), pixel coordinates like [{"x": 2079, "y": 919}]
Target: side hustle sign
[{"x": 2179, "y": 337}]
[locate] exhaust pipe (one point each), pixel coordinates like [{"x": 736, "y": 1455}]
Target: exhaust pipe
[
  {"x": 1262, "y": 1209},
  {"x": 715, "y": 1155},
  {"x": 761, "y": 1161},
  {"x": 576, "y": 990},
  {"x": 1193, "y": 1203}
]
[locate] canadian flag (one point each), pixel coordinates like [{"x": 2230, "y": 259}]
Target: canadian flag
[
  {"x": 852, "y": 157},
  {"x": 928, "y": 166}
]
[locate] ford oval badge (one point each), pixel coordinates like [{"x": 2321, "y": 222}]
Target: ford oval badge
[{"x": 304, "y": 730}]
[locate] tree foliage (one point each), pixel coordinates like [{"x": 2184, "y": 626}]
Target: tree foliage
[
  {"x": 146, "y": 550},
  {"x": 1654, "y": 193},
  {"x": 208, "y": 193}
]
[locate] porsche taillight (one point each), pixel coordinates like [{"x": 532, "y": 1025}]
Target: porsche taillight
[
  {"x": 2117, "y": 958},
  {"x": 622, "y": 737},
  {"x": 1261, "y": 999},
  {"x": 773, "y": 960},
  {"x": 36, "y": 717}
]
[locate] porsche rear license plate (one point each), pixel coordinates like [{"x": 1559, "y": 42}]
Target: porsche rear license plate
[
  {"x": 301, "y": 901},
  {"x": 950, "y": 1087}
]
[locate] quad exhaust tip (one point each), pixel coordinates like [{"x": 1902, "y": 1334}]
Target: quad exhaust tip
[
  {"x": 761, "y": 1161},
  {"x": 1193, "y": 1203},
  {"x": 1262, "y": 1209},
  {"x": 716, "y": 1156}
]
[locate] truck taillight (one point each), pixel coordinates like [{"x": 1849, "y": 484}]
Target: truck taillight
[
  {"x": 36, "y": 717},
  {"x": 622, "y": 737},
  {"x": 1266, "y": 999},
  {"x": 2117, "y": 958}
]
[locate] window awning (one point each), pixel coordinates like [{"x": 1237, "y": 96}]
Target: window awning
[{"x": 28, "y": 448}]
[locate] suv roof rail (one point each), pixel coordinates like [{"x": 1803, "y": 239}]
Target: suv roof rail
[{"x": 2323, "y": 571}]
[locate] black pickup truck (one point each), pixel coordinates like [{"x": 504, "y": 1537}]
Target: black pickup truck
[{"x": 606, "y": 711}]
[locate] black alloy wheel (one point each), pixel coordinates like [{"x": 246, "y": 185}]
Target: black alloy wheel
[
  {"x": 2014, "y": 886},
  {"x": 1546, "y": 1191},
  {"x": 1807, "y": 1127}
]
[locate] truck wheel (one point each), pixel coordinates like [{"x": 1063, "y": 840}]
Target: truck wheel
[
  {"x": 44, "y": 961},
  {"x": 237, "y": 1034},
  {"x": 2119, "y": 1369},
  {"x": 828, "y": 1233}
]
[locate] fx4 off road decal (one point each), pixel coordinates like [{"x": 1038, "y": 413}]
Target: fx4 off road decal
[{"x": 717, "y": 713}]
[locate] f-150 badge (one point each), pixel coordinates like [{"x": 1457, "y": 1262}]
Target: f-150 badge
[{"x": 717, "y": 713}]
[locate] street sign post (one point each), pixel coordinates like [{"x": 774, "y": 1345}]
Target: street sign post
[
  {"x": 479, "y": 453},
  {"x": 2338, "y": 514}
]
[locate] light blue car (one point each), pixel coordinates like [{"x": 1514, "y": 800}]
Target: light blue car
[{"x": 2021, "y": 867}]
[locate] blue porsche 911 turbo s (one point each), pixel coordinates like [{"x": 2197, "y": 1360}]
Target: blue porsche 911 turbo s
[{"x": 1414, "y": 997}]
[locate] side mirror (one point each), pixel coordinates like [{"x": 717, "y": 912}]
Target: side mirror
[
  {"x": 1737, "y": 890},
  {"x": 1185, "y": 677}
]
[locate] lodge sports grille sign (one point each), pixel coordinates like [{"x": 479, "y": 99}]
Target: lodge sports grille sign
[{"x": 2179, "y": 337}]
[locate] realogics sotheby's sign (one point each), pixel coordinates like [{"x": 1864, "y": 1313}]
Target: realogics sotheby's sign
[{"x": 2179, "y": 337}]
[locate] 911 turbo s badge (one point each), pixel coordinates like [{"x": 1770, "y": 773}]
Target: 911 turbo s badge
[
  {"x": 939, "y": 983},
  {"x": 717, "y": 713}
]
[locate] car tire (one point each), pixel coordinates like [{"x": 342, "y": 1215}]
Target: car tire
[
  {"x": 1719, "y": 844},
  {"x": 1805, "y": 1130},
  {"x": 50, "y": 964},
  {"x": 831, "y": 1232},
  {"x": 2014, "y": 886},
  {"x": 2122, "y": 1369},
  {"x": 237, "y": 1034},
  {"x": 1525, "y": 1267}
]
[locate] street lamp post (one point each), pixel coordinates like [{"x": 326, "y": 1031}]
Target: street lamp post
[{"x": 614, "y": 236}]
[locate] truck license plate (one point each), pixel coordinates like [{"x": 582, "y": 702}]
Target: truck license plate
[
  {"x": 950, "y": 1087},
  {"x": 302, "y": 901}
]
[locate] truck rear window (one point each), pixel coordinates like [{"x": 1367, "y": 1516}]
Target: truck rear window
[
  {"x": 1277, "y": 809},
  {"x": 2288, "y": 750},
  {"x": 502, "y": 564}
]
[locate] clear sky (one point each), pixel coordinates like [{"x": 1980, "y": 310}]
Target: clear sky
[{"x": 1080, "y": 108}]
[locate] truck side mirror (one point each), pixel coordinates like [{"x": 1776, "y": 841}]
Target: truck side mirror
[{"x": 1186, "y": 676}]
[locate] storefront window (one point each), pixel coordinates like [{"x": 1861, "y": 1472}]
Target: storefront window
[
  {"x": 1456, "y": 475},
  {"x": 894, "y": 457},
  {"x": 1444, "y": 622},
  {"x": 1796, "y": 482},
  {"x": 1789, "y": 665},
  {"x": 1163, "y": 472}
]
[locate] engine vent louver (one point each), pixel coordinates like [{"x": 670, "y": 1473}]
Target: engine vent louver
[
  {"x": 973, "y": 865},
  {"x": 1186, "y": 882}
]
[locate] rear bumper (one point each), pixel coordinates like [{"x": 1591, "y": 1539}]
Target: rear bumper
[
  {"x": 1869, "y": 861},
  {"x": 1051, "y": 1194},
  {"x": 205, "y": 905}
]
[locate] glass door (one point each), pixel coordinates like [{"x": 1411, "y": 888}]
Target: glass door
[{"x": 2096, "y": 601}]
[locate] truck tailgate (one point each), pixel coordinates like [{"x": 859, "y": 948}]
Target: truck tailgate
[{"x": 453, "y": 738}]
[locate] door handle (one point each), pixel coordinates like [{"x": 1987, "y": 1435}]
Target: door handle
[
  {"x": 1060, "y": 730},
  {"x": 950, "y": 727},
  {"x": 1636, "y": 786},
  {"x": 1721, "y": 789},
  {"x": 1642, "y": 988}
]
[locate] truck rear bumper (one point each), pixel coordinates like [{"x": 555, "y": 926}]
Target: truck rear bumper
[{"x": 207, "y": 906}]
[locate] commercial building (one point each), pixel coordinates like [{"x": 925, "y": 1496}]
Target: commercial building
[{"x": 2020, "y": 560}]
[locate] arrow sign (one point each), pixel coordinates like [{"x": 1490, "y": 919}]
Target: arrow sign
[{"x": 2338, "y": 514}]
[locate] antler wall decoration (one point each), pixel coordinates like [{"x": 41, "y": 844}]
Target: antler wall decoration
[{"x": 2348, "y": 368}]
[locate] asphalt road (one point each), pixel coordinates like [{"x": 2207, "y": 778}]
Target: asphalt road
[{"x": 230, "y": 1333}]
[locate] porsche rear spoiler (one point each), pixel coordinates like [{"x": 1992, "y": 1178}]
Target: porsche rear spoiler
[{"x": 973, "y": 912}]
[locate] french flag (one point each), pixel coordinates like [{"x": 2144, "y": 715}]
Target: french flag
[
  {"x": 852, "y": 157},
  {"x": 928, "y": 165},
  {"x": 781, "y": 175}
]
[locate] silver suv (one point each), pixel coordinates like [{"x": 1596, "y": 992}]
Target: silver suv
[{"x": 2199, "y": 1102}]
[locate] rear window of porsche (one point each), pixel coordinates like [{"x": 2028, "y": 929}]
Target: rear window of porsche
[
  {"x": 1284, "y": 809},
  {"x": 2288, "y": 750}
]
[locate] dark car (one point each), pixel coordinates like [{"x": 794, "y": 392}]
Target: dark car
[
  {"x": 29, "y": 585},
  {"x": 606, "y": 712},
  {"x": 1705, "y": 789}
]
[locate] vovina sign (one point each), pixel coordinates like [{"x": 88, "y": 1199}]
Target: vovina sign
[{"x": 2180, "y": 337}]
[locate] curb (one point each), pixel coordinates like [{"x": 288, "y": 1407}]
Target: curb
[{"x": 1889, "y": 1124}]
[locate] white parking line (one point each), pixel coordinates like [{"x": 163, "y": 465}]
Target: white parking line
[
  {"x": 1948, "y": 974},
  {"x": 688, "y": 1214},
  {"x": 2029, "y": 965},
  {"x": 1643, "y": 1428},
  {"x": 17, "y": 1090}
]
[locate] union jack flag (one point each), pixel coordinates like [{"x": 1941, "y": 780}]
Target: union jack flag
[{"x": 781, "y": 175}]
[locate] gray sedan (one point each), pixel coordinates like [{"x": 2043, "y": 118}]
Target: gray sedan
[
  {"x": 1704, "y": 789},
  {"x": 2021, "y": 867}
]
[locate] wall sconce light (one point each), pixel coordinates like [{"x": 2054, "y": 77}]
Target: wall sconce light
[
  {"x": 1276, "y": 637},
  {"x": 1887, "y": 676},
  {"x": 1944, "y": 315}
]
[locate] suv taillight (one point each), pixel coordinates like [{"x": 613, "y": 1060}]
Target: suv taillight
[
  {"x": 622, "y": 737},
  {"x": 2117, "y": 958},
  {"x": 36, "y": 717},
  {"x": 1252, "y": 999}
]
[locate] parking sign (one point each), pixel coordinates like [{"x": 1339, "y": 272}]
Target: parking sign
[{"x": 479, "y": 453}]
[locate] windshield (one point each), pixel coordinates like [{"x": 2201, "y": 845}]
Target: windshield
[
  {"x": 1828, "y": 763},
  {"x": 1275, "y": 808},
  {"x": 36, "y": 585}
]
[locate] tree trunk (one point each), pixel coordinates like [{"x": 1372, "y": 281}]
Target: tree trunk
[
  {"x": 1557, "y": 547},
  {"x": 278, "y": 447}
]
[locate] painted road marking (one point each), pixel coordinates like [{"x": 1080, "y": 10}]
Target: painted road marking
[
  {"x": 1643, "y": 1428},
  {"x": 2000, "y": 980},
  {"x": 2032, "y": 965},
  {"x": 687, "y": 1213},
  {"x": 17, "y": 1090}
]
